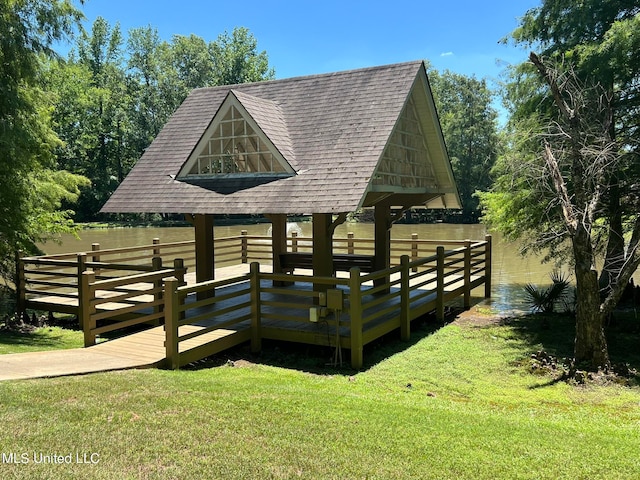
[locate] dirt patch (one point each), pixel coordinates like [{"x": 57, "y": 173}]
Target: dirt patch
[{"x": 479, "y": 317}]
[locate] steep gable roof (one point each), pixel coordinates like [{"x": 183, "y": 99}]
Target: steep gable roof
[{"x": 331, "y": 128}]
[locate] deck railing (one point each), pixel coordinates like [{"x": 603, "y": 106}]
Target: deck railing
[
  {"x": 227, "y": 310},
  {"x": 374, "y": 304},
  {"x": 124, "y": 301},
  {"x": 58, "y": 276},
  {"x": 423, "y": 277}
]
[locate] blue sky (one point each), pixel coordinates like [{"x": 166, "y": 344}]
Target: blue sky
[{"x": 303, "y": 38}]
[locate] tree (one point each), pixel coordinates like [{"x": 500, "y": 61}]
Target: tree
[
  {"x": 236, "y": 59},
  {"x": 568, "y": 181},
  {"x": 470, "y": 130},
  {"x": 600, "y": 39},
  {"x": 101, "y": 52},
  {"x": 112, "y": 97},
  {"x": 31, "y": 190}
]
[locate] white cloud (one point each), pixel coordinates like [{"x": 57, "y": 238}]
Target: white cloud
[{"x": 446, "y": 54}]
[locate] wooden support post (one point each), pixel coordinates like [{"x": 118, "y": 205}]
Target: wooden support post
[
  {"x": 178, "y": 266},
  {"x": 294, "y": 241},
  {"x": 21, "y": 285},
  {"x": 156, "y": 264},
  {"x": 467, "y": 274},
  {"x": 156, "y": 250},
  {"x": 95, "y": 256},
  {"x": 86, "y": 293},
  {"x": 171, "y": 322},
  {"x": 440, "y": 284},
  {"x": 205, "y": 267},
  {"x": 382, "y": 240},
  {"x": 244, "y": 247},
  {"x": 415, "y": 253},
  {"x": 405, "y": 315},
  {"x": 355, "y": 314},
  {"x": 81, "y": 265},
  {"x": 350, "y": 243},
  {"x": 278, "y": 239},
  {"x": 256, "y": 314},
  {"x": 487, "y": 267},
  {"x": 322, "y": 258},
  {"x": 81, "y": 260}
]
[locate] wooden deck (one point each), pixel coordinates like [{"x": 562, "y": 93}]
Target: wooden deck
[{"x": 249, "y": 303}]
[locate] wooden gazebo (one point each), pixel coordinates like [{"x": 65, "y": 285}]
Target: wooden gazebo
[{"x": 322, "y": 145}]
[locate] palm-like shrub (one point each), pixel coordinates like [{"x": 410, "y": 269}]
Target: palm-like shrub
[{"x": 544, "y": 300}]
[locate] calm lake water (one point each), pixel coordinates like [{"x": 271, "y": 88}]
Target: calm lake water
[{"x": 511, "y": 271}]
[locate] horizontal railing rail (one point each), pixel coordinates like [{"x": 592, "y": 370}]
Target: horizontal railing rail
[
  {"x": 216, "y": 311},
  {"x": 124, "y": 301}
]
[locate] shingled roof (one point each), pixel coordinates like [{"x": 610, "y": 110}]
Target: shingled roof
[{"x": 332, "y": 130}]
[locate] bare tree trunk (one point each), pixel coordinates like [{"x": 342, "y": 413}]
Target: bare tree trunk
[
  {"x": 590, "y": 342},
  {"x": 615, "y": 256}
]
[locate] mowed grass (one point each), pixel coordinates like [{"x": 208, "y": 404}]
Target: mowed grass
[
  {"x": 457, "y": 402},
  {"x": 40, "y": 339}
]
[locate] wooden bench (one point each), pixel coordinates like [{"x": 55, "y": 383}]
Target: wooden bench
[{"x": 341, "y": 261}]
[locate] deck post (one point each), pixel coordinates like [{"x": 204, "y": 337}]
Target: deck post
[
  {"x": 256, "y": 315},
  {"x": 156, "y": 264},
  {"x": 294, "y": 241},
  {"x": 81, "y": 267},
  {"x": 440, "y": 283},
  {"x": 156, "y": 250},
  {"x": 382, "y": 242},
  {"x": 405, "y": 316},
  {"x": 322, "y": 256},
  {"x": 467, "y": 274},
  {"x": 278, "y": 242},
  {"x": 21, "y": 285},
  {"x": 205, "y": 269},
  {"x": 414, "y": 249},
  {"x": 86, "y": 294},
  {"x": 178, "y": 266},
  {"x": 487, "y": 267},
  {"x": 350, "y": 243},
  {"x": 355, "y": 314},
  {"x": 244, "y": 253},
  {"x": 95, "y": 256},
  {"x": 171, "y": 322}
]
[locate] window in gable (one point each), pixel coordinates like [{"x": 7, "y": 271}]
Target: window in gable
[
  {"x": 235, "y": 147},
  {"x": 405, "y": 161}
]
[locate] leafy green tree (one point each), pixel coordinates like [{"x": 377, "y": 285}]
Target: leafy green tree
[
  {"x": 193, "y": 63},
  {"x": 112, "y": 97},
  {"x": 236, "y": 59},
  {"x": 31, "y": 190},
  {"x": 568, "y": 182},
  {"x": 101, "y": 52},
  {"x": 469, "y": 126}
]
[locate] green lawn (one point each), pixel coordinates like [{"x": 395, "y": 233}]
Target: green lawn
[
  {"x": 458, "y": 402},
  {"x": 43, "y": 338}
]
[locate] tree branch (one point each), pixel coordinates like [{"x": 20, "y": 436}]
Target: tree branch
[{"x": 561, "y": 189}]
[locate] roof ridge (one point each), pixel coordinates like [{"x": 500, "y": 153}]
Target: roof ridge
[{"x": 314, "y": 76}]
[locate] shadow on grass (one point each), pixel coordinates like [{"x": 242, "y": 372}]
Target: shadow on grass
[
  {"x": 318, "y": 359},
  {"x": 555, "y": 334},
  {"x": 44, "y": 340}
]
